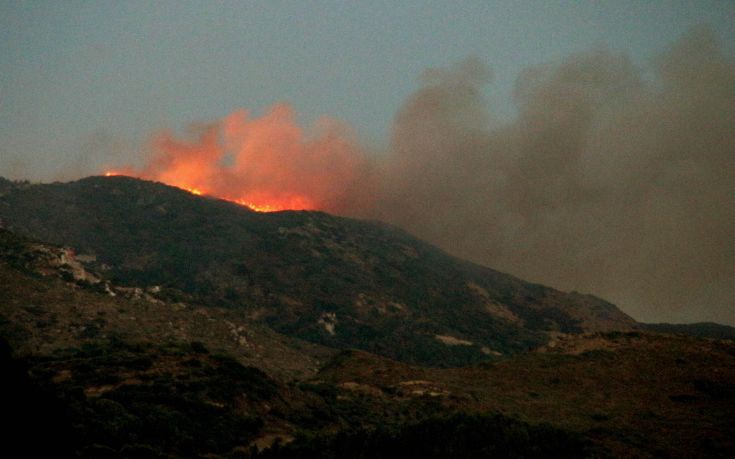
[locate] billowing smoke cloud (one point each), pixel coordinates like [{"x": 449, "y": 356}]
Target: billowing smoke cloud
[{"x": 608, "y": 181}]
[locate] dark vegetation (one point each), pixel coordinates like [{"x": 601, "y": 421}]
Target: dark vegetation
[
  {"x": 121, "y": 398},
  {"x": 459, "y": 436},
  {"x": 112, "y": 398},
  {"x": 31, "y": 412},
  {"x": 115, "y": 399},
  {"x": 390, "y": 293}
]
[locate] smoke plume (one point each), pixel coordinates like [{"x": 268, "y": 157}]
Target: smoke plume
[
  {"x": 609, "y": 180},
  {"x": 606, "y": 182}
]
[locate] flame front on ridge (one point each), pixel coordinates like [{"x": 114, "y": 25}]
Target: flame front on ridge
[{"x": 267, "y": 163}]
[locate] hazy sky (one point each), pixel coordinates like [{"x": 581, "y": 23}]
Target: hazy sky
[{"x": 86, "y": 83}]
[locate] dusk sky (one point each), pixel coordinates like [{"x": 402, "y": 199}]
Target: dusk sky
[
  {"x": 584, "y": 145},
  {"x": 84, "y": 84}
]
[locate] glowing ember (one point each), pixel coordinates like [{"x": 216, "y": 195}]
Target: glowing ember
[
  {"x": 262, "y": 204},
  {"x": 274, "y": 204},
  {"x": 259, "y": 208}
]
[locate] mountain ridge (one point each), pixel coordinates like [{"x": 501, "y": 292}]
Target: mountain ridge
[{"x": 330, "y": 280}]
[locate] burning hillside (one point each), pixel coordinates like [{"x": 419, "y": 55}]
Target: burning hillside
[{"x": 266, "y": 163}]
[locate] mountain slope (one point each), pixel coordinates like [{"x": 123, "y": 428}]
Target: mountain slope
[
  {"x": 334, "y": 281},
  {"x": 640, "y": 394},
  {"x": 137, "y": 375},
  {"x": 47, "y": 303},
  {"x": 127, "y": 376}
]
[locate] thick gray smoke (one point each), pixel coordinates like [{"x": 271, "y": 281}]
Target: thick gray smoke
[{"x": 608, "y": 181}]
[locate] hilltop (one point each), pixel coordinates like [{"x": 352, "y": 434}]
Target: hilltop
[{"x": 333, "y": 281}]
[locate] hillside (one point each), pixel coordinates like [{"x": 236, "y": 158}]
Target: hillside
[
  {"x": 107, "y": 371},
  {"x": 329, "y": 280},
  {"x": 637, "y": 394},
  {"x": 112, "y": 371},
  {"x": 49, "y": 302}
]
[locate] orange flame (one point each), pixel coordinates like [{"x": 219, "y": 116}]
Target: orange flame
[
  {"x": 267, "y": 164},
  {"x": 275, "y": 204}
]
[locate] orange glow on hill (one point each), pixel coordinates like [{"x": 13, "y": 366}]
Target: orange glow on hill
[
  {"x": 275, "y": 204},
  {"x": 260, "y": 207},
  {"x": 255, "y": 201},
  {"x": 261, "y": 203},
  {"x": 267, "y": 163}
]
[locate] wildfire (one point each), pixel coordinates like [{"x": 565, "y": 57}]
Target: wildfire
[
  {"x": 261, "y": 204},
  {"x": 276, "y": 204},
  {"x": 256, "y": 203},
  {"x": 259, "y": 208},
  {"x": 266, "y": 163}
]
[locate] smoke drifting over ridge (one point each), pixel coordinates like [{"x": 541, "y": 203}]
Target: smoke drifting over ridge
[{"x": 607, "y": 182}]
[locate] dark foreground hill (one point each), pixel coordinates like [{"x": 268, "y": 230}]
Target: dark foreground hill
[
  {"x": 135, "y": 375},
  {"x": 94, "y": 375},
  {"x": 334, "y": 281}
]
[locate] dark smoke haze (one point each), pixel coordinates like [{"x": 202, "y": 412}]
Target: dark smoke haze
[{"x": 608, "y": 181}]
